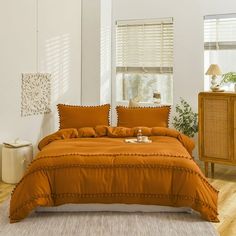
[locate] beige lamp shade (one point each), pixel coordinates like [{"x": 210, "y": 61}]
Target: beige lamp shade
[{"x": 213, "y": 70}]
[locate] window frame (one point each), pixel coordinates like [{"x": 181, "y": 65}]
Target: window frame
[{"x": 144, "y": 69}]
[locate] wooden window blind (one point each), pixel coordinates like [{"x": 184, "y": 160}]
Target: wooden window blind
[
  {"x": 220, "y": 32},
  {"x": 145, "y": 46}
]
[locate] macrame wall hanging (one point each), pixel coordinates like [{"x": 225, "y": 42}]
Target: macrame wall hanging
[{"x": 35, "y": 93}]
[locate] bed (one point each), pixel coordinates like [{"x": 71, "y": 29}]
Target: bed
[{"x": 96, "y": 166}]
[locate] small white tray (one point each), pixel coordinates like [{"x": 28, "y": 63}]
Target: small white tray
[{"x": 134, "y": 140}]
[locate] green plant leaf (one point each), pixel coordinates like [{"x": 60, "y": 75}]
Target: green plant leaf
[{"x": 185, "y": 121}]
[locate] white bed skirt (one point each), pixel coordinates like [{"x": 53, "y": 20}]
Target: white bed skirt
[{"x": 113, "y": 207}]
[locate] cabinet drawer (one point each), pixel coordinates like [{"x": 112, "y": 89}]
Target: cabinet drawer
[{"x": 216, "y": 128}]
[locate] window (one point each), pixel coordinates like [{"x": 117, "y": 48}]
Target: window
[
  {"x": 144, "y": 60},
  {"x": 220, "y": 44}
]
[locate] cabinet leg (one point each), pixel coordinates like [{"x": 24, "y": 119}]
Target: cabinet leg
[
  {"x": 212, "y": 170},
  {"x": 206, "y": 169}
]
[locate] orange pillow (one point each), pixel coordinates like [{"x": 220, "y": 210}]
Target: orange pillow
[
  {"x": 143, "y": 116},
  {"x": 61, "y": 134},
  {"x": 86, "y": 132},
  {"x": 101, "y": 130},
  {"x": 119, "y": 132},
  {"x": 83, "y": 116}
]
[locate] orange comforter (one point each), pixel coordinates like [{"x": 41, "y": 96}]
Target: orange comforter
[{"x": 80, "y": 167}]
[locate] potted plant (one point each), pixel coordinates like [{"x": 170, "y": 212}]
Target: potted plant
[
  {"x": 229, "y": 77},
  {"x": 185, "y": 121}
]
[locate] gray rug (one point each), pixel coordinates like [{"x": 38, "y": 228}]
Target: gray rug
[{"x": 105, "y": 223}]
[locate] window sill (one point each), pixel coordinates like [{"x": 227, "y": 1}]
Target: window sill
[{"x": 143, "y": 104}]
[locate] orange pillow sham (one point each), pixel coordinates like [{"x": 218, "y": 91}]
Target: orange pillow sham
[
  {"x": 143, "y": 116},
  {"x": 71, "y": 116}
]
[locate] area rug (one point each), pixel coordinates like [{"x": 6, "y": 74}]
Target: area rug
[{"x": 105, "y": 224}]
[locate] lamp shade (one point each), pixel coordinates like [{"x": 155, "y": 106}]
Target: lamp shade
[{"x": 213, "y": 70}]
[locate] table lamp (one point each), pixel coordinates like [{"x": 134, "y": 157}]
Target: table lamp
[{"x": 214, "y": 70}]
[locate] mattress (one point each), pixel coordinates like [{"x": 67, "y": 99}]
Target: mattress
[{"x": 113, "y": 207}]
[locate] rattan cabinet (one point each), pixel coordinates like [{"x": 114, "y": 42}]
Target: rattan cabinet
[{"x": 217, "y": 128}]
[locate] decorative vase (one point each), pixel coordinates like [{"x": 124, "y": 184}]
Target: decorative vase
[{"x": 157, "y": 97}]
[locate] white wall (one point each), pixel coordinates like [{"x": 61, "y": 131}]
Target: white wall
[
  {"x": 59, "y": 53},
  {"x": 96, "y": 52},
  {"x": 188, "y": 38},
  {"x": 91, "y": 27},
  {"x": 55, "y": 48},
  {"x": 105, "y": 51}
]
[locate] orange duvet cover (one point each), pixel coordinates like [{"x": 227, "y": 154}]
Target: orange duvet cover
[{"x": 73, "y": 167}]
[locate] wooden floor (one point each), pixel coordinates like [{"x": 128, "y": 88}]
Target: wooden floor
[
  {"x": 5, "y": 191},
  {"x": 224, "y": 181}
]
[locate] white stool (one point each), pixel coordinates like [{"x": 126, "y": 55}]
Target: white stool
[{"x": 15, "y": 162}]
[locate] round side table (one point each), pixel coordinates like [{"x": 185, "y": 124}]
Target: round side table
[{"x": 15, "y": 162}]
